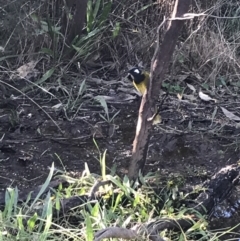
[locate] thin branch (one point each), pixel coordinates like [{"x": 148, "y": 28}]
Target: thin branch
[{"x": 193, "y": 15}]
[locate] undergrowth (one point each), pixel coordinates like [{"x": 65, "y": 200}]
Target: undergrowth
[{"x": 114, "y": 204}]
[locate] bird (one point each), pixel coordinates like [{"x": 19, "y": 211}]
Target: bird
[{"x": 140, "y": 79}]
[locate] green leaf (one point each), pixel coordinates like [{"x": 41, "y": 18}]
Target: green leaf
[
  {"x": 44, "y": 186},
  {"x": 223, "y": 81},
  {"x": 95, "y": 210},
  {"x": 49, "y": 213},
  {"x": 117, "y": 201},
  {"x": 80, "y": 94},
  {"x": 96, "y": 8},
  {"x": 89, "y": 36},
  {"x": 82, "y": 88},
  {"x": 89, "y": 229},
  {"x": 89, "y": 16},
  {"x": 57, "y": 202},
  {"x": 15, "y": 200},
  {"x": 44, "y": 26},
  {"x": 32, "y": 221},
  {"x": 115, "y": 115},
  {"x": 116, "y": 30},
  {"x": 140, "y": 10},
  {"x": 9, "y": 202},
  {"x": 34, "y": 17},
  {"x": 45, "y": 77},
  {"x": 165, "y": 85},
  {"x": 106, "y": 11},
  {"x": 104, "y": 118},
  {"x": 20, "y": 221},
  {"x": 46, "y": 217},
  {"x": 205, "y": 86},
  {"x": 103, "y": 103},
  {"x": 47, "y": 51}
]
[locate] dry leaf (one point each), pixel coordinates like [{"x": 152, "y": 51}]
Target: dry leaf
[
  {"x": 230, "y": 115},
  {"x": 191, "y": 87},
  {"x": 179, "y": 96},
  {"x": 57, "y": 106},
  {"x": 27, "y": 69},
  {"x": 181, "y": 78},
  {"x": 198, "y": 76},
  {"x": 205, "y": 97}
]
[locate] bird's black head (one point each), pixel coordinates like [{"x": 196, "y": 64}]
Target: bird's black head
[{"x": 135, "y": 74}]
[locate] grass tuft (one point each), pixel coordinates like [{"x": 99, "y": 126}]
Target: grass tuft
[{"x": 119, "y": 206}]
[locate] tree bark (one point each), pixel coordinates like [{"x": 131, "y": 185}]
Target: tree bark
[
  {"x": 159, "y": 66},
  {"x": 79, "y": 17}
]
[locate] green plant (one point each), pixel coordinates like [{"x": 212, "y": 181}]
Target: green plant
[
  {"x": 75, "y": 100},
  {"x": 96, "y": 17},
  {"x": 24, "y": 221},
  {"x": 120, "y": 205},
  {"x": 53, "y": 31},
  {"x": 103, "y": 103},
  {"x": 172, "y": 88},
  {"x": 97, "y": 13},
  {"x": 102, "y": 160}
]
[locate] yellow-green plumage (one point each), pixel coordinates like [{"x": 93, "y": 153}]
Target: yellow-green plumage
[
  {"x": 140, "y": 81},
  {"x": 142, "y": 86}
]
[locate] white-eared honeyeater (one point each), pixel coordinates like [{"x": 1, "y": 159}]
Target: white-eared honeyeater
[{"x": 140, "y": 80}]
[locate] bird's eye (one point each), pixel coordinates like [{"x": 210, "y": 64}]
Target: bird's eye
[{"x": 137, "y": 71}]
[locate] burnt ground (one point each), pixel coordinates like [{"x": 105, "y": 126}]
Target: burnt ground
[{"x": 194, "y": 140}]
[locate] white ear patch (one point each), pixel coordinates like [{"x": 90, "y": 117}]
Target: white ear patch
[{"x": 137, "y": 71}]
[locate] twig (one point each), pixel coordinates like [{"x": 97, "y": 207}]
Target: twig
[
  {"x": 193, "y": 15},
  {"x": 159, "y": 108},
  {"x": 35, "y": 103},
  {"x": 96, "y": 186}
]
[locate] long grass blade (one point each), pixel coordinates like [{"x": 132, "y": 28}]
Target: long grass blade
[{"x": 44, "y": 186}]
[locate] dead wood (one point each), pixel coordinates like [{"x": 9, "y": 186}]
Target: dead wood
[
  {"x": 159, "y": 66},
  {"x": 217, "y": 189}
]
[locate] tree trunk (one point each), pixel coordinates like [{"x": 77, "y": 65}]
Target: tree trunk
[
  {"x": 159, "y": 65},
  {"x": 79, "y": 16}
]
